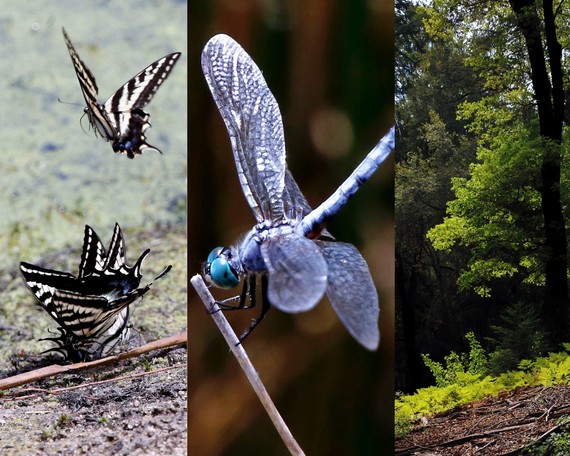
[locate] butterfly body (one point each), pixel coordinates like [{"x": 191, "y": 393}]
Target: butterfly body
[{"x": 121, "y": 119}]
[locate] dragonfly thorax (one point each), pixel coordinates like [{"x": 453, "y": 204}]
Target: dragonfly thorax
[{"x": 250, "y": 253}]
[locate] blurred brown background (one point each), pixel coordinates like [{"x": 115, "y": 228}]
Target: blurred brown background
[{"x": 329, "y": 63}]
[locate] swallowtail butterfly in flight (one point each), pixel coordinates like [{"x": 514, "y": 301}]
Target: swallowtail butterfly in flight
[
  {"x": 92, "y": 309},
  {"x": 121, "y": 118}
]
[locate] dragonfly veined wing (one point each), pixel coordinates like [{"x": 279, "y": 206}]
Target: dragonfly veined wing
[
  {"x": 283, "y": 249},
  {"x": 351, "y": 292},
  {"x": 253, "y": 121}
]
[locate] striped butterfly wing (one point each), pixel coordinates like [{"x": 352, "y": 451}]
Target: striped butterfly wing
[
  {"x": 95, "y": 325},
  {"x": 92, "y": 310},
  {"x": 116, "y": 270},
  {"x": 90, "y": 325},
  {"x": 93, "y": 256},
  {"x": 60, "y": 294},
  {"x": 117, "y": 250},
  {"x": 90, "y": 316},
  {"x": 106, "y": 273},
  {"x": 121, "y": 118},
  {"x": 98, "y": 118},
  {"x": 76, "y": 349},
  {"x": 124, "y": 107}
]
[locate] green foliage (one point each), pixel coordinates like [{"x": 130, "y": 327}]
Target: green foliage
[
  {"x": 430, "y": 400},
  {"x": 551, "y": 370},
  {"x": 147, "y": 364},
  {"x": 459, "y": 101},
  {"x": 519, "y": 335},
  {"x": 556, "y": 444},
  {"x": 477, "y": 361},
  {"x": 496, "y": 214},
  {"x": 460, "y": 369}
]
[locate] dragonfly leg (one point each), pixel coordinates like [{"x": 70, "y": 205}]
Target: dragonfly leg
[
  {"x": 224, "y": 305},
  {"x": 265, "y": 306},
  {"x": 248, "y": 289}
]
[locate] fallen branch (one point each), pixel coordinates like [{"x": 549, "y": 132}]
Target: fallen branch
[
  {"x": 533, "y": 443},
  {"x": 43, "y": 391},
  {"x": 246, "y": 365},
  {"x": 56, "y": 369},
  {"x": 462, "y": 439}
]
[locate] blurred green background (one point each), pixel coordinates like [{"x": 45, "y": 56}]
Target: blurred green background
[
  {"x": 330, "y": 66},
  {"x": 56, "y": 176}
]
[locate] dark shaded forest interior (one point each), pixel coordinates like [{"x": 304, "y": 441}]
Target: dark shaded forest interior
[{"x": 481, "y": 182}]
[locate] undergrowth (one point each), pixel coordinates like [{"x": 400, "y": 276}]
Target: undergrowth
[
  {"x": 557, "y": 443},
  {"x": 465, "y": 378}
]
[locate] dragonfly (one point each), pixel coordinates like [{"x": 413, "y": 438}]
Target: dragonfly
[{"x": 289, "y": 251}]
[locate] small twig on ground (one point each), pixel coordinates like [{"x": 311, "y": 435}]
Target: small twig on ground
[
  {"x": 42, "y": 391},
  {"x": 532, "y": 443},
  {"x": 246, "y": 365},
  {"x": 56, "y": 369}
]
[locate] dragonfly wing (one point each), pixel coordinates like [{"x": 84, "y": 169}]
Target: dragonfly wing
[
  {"x": 293, "y": 194},
  {"x": 298, "y": 205},
  {"x": 351, "y": 292},
  {"x": 253, "y": 121},
  {"x": 297, "y": 273}
]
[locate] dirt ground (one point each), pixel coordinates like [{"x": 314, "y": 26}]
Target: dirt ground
[
  {"x": 505, "y": 425},
  {"x": 136, "y": 406},
  {"x": 136, "y": 415}
]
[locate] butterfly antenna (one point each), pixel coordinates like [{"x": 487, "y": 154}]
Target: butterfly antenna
[
  {"x": 81, "y": 124},
  {"x": 69, "y": 102},
  {"x": 84, "y": 112}
]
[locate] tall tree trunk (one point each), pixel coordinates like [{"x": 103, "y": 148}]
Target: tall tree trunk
[
  {"x": 550, "y": 104},
  {"x": 409, "y": 372}
]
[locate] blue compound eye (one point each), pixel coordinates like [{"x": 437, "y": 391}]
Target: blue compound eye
[
  {"x": 222, "y": 274},
  {"x": 213, "y": 255}
]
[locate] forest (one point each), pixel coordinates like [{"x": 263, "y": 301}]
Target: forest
[{"x": 481, "y": 184}]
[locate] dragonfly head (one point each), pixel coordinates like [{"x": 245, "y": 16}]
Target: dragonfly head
[{"x": 218, "y": 269}]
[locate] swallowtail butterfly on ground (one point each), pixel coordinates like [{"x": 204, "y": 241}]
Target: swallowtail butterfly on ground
[
  {"x": 121, "y": 118},
  {"x": 92, "y": 309}
]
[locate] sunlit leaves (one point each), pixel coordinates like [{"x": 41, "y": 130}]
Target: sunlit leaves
[{"x": 496, "y": 213}]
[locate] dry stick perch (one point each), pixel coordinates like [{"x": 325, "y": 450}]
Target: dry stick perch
[
  {"x": 246, "y": 365},
  {"x": 55, "y": 369}
]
